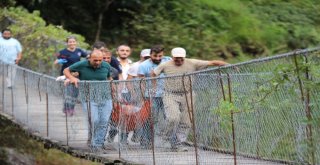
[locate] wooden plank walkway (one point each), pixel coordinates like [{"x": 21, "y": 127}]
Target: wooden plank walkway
[{"x": 51, "y": 123}]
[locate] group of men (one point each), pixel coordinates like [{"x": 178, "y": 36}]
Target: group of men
[
  {"x": 172, "y": 109},
  {"x": 168, "y": 101}
]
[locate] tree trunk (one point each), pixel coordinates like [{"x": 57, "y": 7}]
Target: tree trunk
[{"x": 100, "y": 18}]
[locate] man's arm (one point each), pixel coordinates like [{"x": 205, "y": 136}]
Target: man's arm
[
  {"x": 72, "y": 79},
  {"x": 140, "y": 72},
  {"x": 18, "y": 57},
  {"x": 153, "y": 74},
  {"x": 141, "y": 76},
  {"x": 217, "y": 63}
]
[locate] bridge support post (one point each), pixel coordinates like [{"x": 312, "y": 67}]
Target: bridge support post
[
  {"x": 191, "y": 114},
  {"x": 11, "y": 90},
  {"x": 232, "y": 113},
  {"x": 305, "y": 98},
  {"x": 232, "y": 122},
  {"x": 3, "y": 77}
]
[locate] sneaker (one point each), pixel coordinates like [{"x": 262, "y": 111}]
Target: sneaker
[
  {"x": 70, "y": 112},
  {"x": 146, "y": 144},
  {"x": 108, "y": 147},
  {"x": 99, "y": 150},
  {"x": 110, "y": 139},
  {"x": 135, "y": 139},
  {"x": 179, "y": 148}
]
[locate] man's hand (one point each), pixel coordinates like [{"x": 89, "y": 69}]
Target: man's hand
[
  {"x": 17, "y": 61},
  {"x": 66, "y": 82},
  {"x": 74, "y": 81}
]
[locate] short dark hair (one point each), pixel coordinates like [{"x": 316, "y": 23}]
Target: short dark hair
[
  {"x": 156, "y": 49},
  {"x": 6, "y": 29},
  {"x": 71, "y": 37},
  {"x": 98, "y": 45},
  {"x": 126, "y": 45}
]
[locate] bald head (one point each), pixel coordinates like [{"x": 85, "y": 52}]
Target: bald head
[{"x": 96, "y": 58}]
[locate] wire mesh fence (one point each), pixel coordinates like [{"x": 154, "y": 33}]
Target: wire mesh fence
[{"x": 264, "y": 111}]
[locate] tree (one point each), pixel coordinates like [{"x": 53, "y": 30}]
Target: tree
[{"x": 40, "y": 41}]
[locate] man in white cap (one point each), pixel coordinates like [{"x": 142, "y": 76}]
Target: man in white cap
[
  {"x": 133, "y": 73},
  {"x": 133, "y": 70},
  {"x": 176, "y": 106}
]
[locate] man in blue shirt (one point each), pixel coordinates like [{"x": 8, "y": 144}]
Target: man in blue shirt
[
  {"x": 144, "y": 71},
  {"x": 10, "y": 53}
]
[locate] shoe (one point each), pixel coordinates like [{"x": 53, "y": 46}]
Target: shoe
[
  {"x": 147, "y": 147},
  {"x": 179, "y": 148},
  {"x": 68, "y": 112},
  {"x": 71, "y": 112},
  {"x": 110, "y": 139},
  {"x": 108, "y": 147},
  {"x": 124, "y": 143},
  {"x": 99, "y": 150},
  {"x": 135, "y": 139}
]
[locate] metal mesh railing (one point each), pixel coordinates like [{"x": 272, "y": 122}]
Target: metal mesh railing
[{"x": 264, "y": 111}]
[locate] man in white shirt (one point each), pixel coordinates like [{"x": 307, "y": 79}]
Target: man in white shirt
[
  {"x": 10, "y": 53},
  {"x": 133, "y": 70},
  {"x": 123, "y": 52}
]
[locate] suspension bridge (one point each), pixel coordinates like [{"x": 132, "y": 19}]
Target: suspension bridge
[{"x": 266, "y": 111}]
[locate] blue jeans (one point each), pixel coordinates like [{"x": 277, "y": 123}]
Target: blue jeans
[{"x": 99, "y": 115}]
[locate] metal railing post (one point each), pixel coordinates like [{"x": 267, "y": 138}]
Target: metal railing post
[
  {"x": 191, "y": 114},
  {"x": 232, "y": 122}
]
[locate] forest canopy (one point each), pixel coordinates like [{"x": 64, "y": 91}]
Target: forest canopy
[{"x": 233, "y": 30}]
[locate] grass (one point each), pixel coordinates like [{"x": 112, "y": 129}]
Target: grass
[{"x": 13, "y": 138}]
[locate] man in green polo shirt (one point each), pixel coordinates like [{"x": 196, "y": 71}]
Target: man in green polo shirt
[{"x": 94, "y": 69}]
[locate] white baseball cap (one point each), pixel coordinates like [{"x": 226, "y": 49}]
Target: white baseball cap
[
  {"x": 145, "y": 53},
  {"x": 178, "y": 52}
]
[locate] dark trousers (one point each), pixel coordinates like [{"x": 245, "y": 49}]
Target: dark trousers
[
  {"x": 70, "y": 94},
  {"x": 151, "y": 126}
]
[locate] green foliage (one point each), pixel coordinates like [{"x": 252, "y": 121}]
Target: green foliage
[
  {"x": 13, "y": 137},
  {"x": 40, "y": 41},
  {"x": 234, "y": 30},
  {"x": 298, "y": 25},
  {"x": 6, "y": 3},
  {"x": 224, "y": 111}
]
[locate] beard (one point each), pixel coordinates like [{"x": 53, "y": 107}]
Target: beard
[
  {"x": 123, "y": 58},
  {"x": 6, "y": 38},
  {"x": 156, "y": 61}
]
